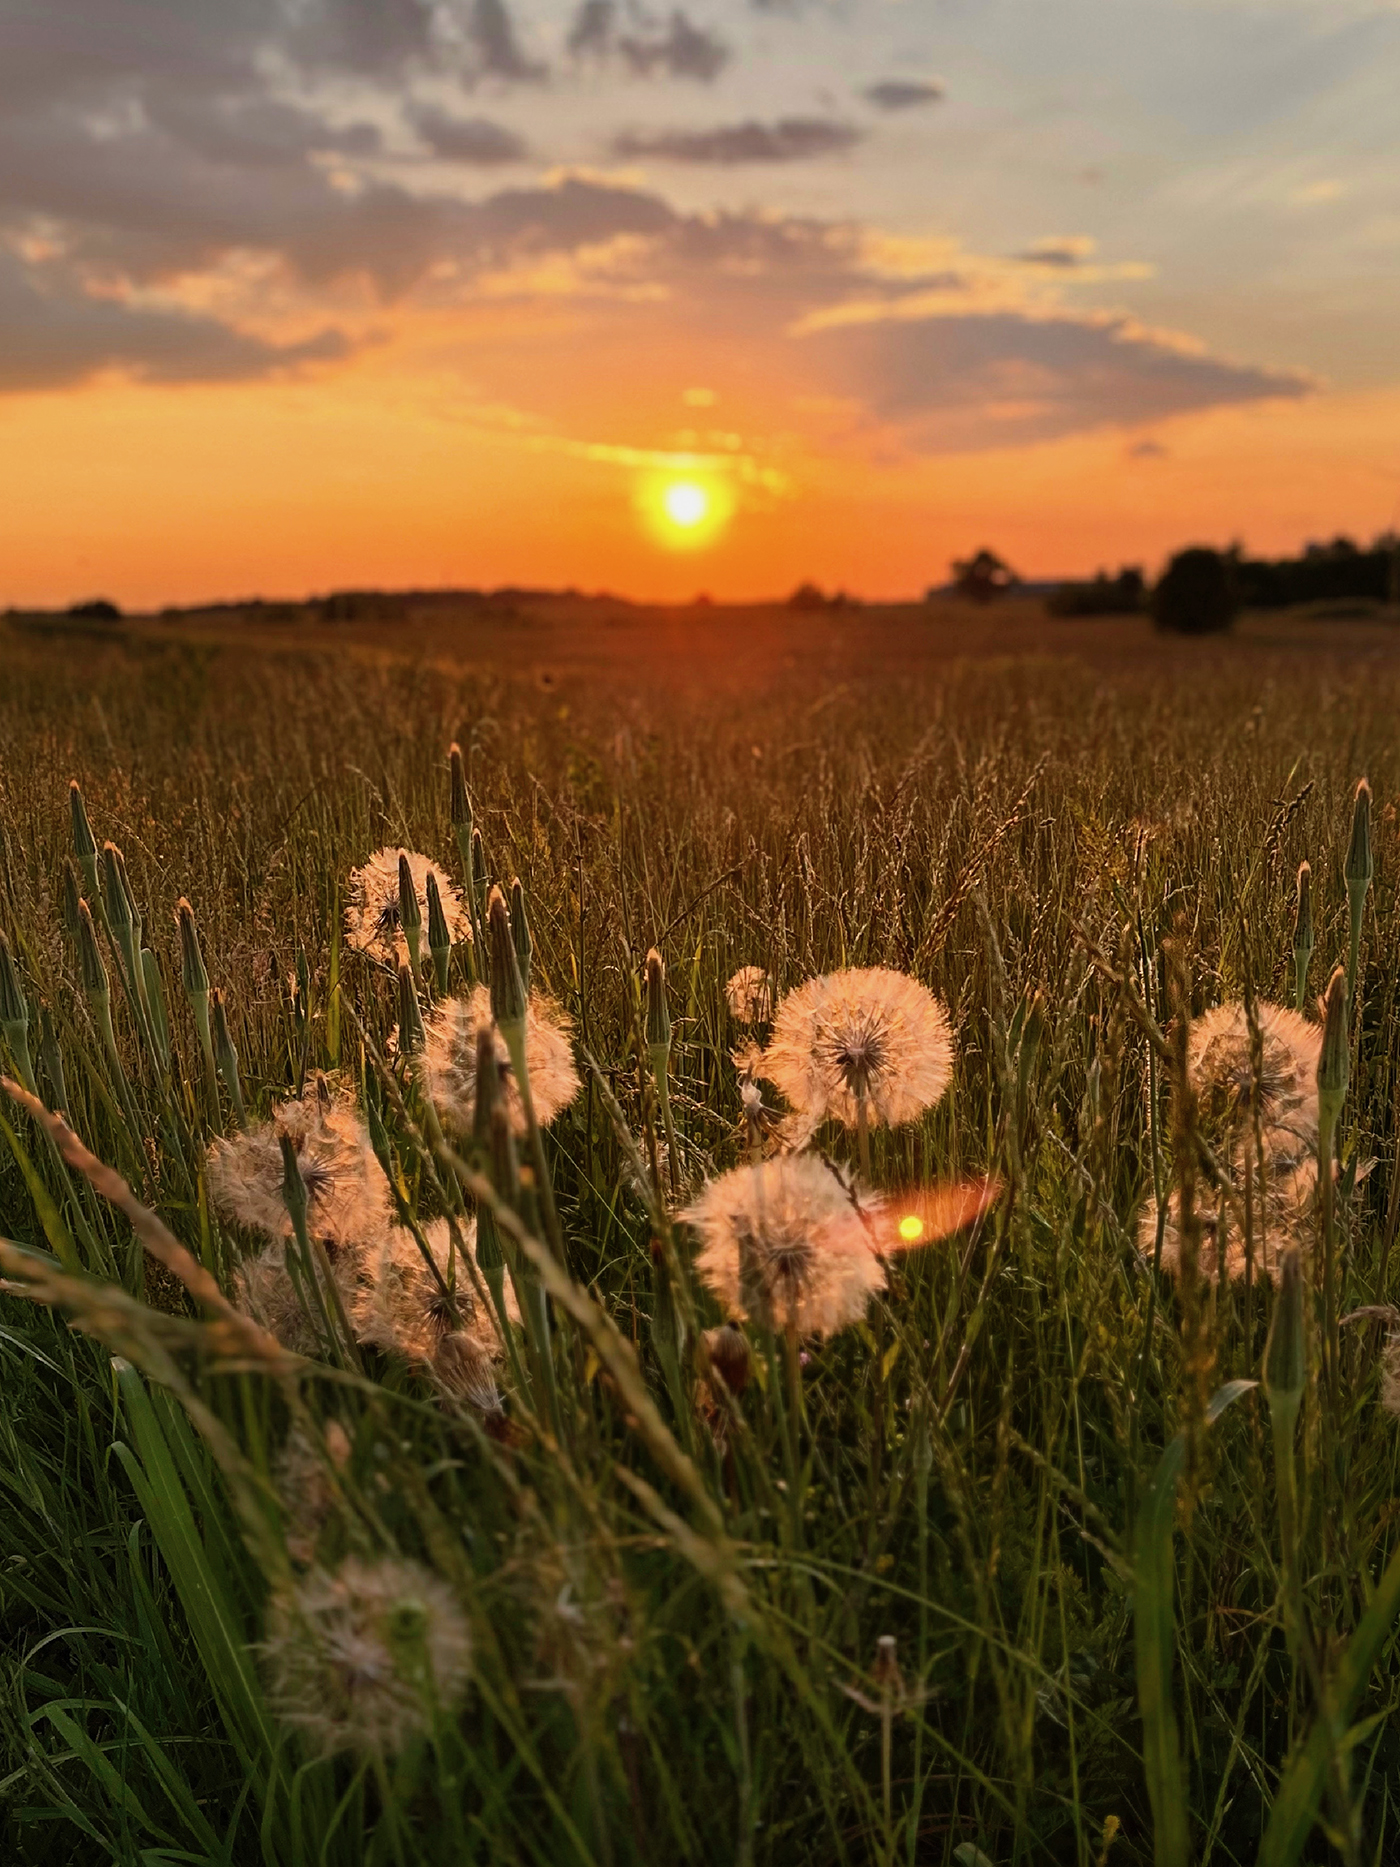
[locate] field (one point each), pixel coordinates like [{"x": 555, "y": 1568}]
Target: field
[{"x": 1007, "y": 1570}]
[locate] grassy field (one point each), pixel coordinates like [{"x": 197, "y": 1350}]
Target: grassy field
[{"x": 1136, "y": 1613}]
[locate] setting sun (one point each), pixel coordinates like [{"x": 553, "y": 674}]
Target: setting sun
[{"x": 686, "y": 504}]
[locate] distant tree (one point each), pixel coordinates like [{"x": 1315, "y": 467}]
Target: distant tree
[
  {"x": 1123, "y": 595},
  {"x": 96, "y": 609},
  {"x": 807, "y": 596},
  {"x": 1196, "y": 594},
  {"x": 982, "y": 577}
]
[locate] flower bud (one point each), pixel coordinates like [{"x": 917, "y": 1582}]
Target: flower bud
[
  {"x": 155, "y": 1004},
  {"x": 520, "y": 930},
  {"x": 1286, "y": 1355},
  {"x": 293, "y": 1186},
  {"x": 488, "y": 1078},
  {"x": 227, "y": 1057},
  {"x": 1303, "y": 919},
  {"x": 729, "y": 1356},
  {"x": 439, "y": 936},
  {"x": 507, "y": 988},
  {"x": 89, "y": 956},
  {"x": 193, "y": 976},
  {"x": 658, "y": 1011},
  {"x": 52, "y": 1059},
  {"x": 1334, "y": 1063},
  {"x": 410, "y": 914},
  {"x": 505, "y": 1168},
  {"x": 116, "y": 896},
  {"x": 1360, "y": 867},
  {"x": 84, "y": 842},
  {"x": 461, "y": 803}
]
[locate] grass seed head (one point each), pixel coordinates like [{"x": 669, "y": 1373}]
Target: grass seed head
[
  {"x": 365, "y": 1657},
  {"x": 866, "y": 1035},
  {"x": 789, "y": 1243}
]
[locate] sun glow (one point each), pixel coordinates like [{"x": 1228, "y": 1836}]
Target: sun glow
[
  {"x": 685, "y": 510},
  {"x": 687, "y": 504}
]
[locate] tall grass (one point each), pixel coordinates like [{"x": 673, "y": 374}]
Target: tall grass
[{"x": 1024, "y": 1471}]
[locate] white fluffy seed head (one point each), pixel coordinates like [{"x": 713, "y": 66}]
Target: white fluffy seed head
[
  {"x": 449, "y": 1060},
  {"x": 866, "y": 1035},
  {"x": 789, "y": 1243},
  {"x": 364, "y": 1657},
  {"x": 1219, "y": 1058},
  {"x": 372, "y": 919}
]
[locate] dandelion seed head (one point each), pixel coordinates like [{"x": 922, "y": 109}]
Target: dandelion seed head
[
  {"x": 263, "y": 1289},
  {"x": 790, "y": 1243},
  {"x": 449, "y": 1060},
  {"x": 361, "y": 1657},
  {"x": 866, "y": 1035},
  {"x": 1285, "y": 1094},
  {"x": 400, "y": 1308},
  {"x": 749, "y": 995},
  {"x": 347, "y": 1197},
  {"x": 304, "y": 1486},
  {"x": 1286, "y": 1219},
  {"x": 372, "y": 920}
]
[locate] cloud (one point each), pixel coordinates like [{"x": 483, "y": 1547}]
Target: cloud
[
  {"x": 473, "y": 140},
  {"x": 1147, "y": 449},
  {"x": 492, "y": 32},
  {"x": 1064, "y": 251},
  {"x": 790, "y": 139},
  {"x": 54, "y": 334},
  {"x": 903, "y": 93},
  {"x": 673, "y": 48}
]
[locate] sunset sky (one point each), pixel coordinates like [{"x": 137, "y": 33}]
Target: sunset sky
[{"x": 305, "y": 294}]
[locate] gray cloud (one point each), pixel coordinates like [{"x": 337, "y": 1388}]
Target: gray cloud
[
  {"x": 999, "y": 378},
  {"x": 469, "y": 139},
  {"x": 672, "y": 48},
  {"x": 790, "y": 139},
  {"x": 903, "y": 93},
  {"x": 1062, "y": 253},
  {"x": 492, "y": 32},
  {"x": 55, "y": 334}
]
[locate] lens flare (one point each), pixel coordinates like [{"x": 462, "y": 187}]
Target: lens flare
[{"x": 911, "y": 1228}]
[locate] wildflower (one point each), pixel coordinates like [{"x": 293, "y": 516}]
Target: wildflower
[
  {"x": 1285, "y": 1095},
  {"x": 373, "y": 922},
  {"x": 790, "y": 1243},
  {"x": 401, "y": 1307},
  {"x": 750, "y": 996},
  {"x": 362, "y": 1657},
  {"x": 860, "y": 1045},
  {"x": 347, "y": 1196},
  {"x": 449, "y": 1061}
]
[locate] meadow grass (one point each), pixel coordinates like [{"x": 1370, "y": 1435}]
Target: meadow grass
[{"x": 1034, "y": 1577}]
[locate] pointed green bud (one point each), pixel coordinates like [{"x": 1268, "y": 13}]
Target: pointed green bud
[
  {"x": 1334, "y": 1064},
  {"x": 1286, "y": 1356},
  {"x": 411, "y": 1034},
  {"x": 227, "y": 1057},
  {"x": 461, "y": 803},
  {"x": 89, "y": 955},
  {"x": 507, "y": 988},
  {"x": 410, "y": 914},
  {"x": 115, "y": 894},
  {"x": 520, "y": 929},
  {"x": 84, "y": 842},
  {"x": 439, "y": 937},
  {"x": 374, "y": 1121},
  {"x": 477, "y": 870},
  {"x": 1303, "y": 918},
  {"x": 1360, "y": 866},
  {"x": 193, "y": 976},
  {"x": 658, "y": 1011}
]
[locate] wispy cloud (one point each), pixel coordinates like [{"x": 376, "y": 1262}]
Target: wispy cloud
[
  {"x": 790, "y": 139},
  {"x": 904, "y": 93}
]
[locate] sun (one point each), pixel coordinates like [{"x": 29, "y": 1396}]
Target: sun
[{"x": 687, "y": 504}]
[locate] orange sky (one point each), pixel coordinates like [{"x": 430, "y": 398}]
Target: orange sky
[{"x": 452, "y": 300}]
